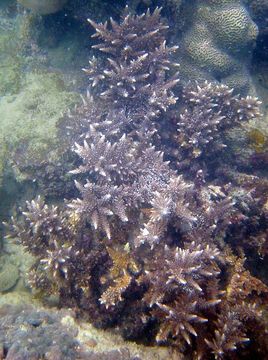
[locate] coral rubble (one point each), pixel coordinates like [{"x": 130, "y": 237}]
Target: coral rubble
[
  {"x": 27, "y": 333},
  {"x": 145, "y": 243}
]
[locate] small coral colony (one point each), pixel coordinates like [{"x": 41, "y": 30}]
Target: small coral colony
[{"x": 156, "y": 239}]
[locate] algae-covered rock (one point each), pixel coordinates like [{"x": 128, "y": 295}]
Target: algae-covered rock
[
  {"x": 17, "y": 255},
  {"x": 43, "y": 7},
  {"x": 18, "y": 49},
  {"x": 10, "y": 75},
  {"x": 9, "y": 57},
  {"x": 9, "y": 275},
  {"x": 28, "y": 119}
]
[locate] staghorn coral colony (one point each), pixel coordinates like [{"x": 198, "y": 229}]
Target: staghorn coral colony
[{"x": 159, "y": 239}]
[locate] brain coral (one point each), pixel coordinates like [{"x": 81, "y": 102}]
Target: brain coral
[
  {"x": 218, "y": 43},
  {"x": 233, "y": 28}
]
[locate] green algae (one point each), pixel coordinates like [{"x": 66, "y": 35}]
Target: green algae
[{"x": 28, "y": 119}]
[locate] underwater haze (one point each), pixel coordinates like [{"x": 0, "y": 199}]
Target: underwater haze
[{"x": 134, "y": 179}]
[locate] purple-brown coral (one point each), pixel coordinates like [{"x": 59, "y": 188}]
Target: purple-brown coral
[
  {"x": 209, "y": 111},
  {"x": 138, "y": 56},
  {"x": 42, "y": 224},
  {"x": 147, "y": 245}
]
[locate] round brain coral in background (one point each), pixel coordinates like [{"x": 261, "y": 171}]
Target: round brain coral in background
[
  {"x": 43, "y": 7},
  {"x": 218, "y": 43}
]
